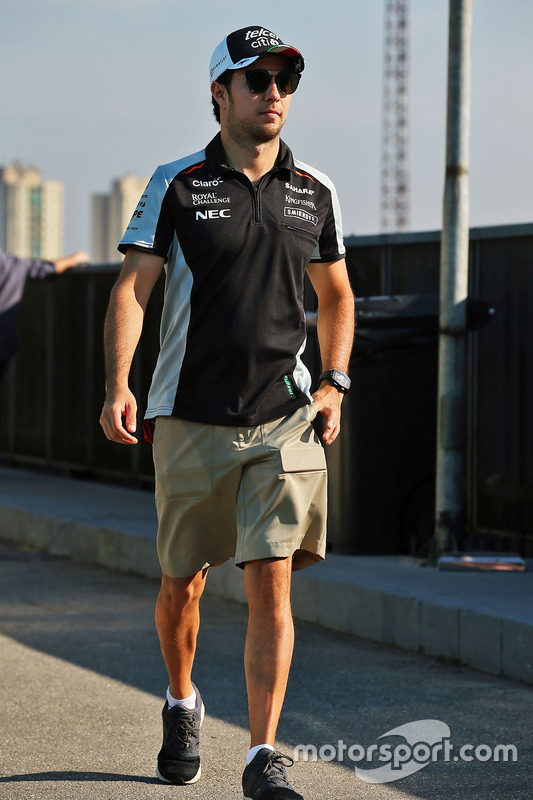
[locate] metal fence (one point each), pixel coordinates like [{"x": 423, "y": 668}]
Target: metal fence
[
  {"x": 499, "y": 452},
  {"x": 382, "y": 468}
]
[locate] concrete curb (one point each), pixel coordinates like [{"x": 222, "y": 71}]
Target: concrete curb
[
  {"x": 89, "y": 544},
  {"x": 437, "y": 627}
]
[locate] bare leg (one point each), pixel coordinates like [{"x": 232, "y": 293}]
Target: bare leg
[
  {"x": 177, "y": 618},
  {"x": 269, "y": 644}
]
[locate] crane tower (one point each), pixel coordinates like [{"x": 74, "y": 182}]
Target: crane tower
[{"x": 395, "y": 122}]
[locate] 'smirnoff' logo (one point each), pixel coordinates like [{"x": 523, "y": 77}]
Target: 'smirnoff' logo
[
  {"x": 426, "y": 741},
  {"x": 301, "y": 214}
]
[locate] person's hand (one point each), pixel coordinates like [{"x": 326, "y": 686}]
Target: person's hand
[
  {"x": 114, "y": 408},
  {"x": 328, "y": 401},
  {"x": 80, "y": 258},
  {"x": 77, "y": 259}
]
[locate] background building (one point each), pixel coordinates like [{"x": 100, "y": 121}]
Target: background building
[
  {"x": 111, "y": 214},
  {"x": 32, "y": 213}
]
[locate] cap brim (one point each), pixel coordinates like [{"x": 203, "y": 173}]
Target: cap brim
[
  {"x": 283, "y": 49},
  {"x": 286, "y": 50}
]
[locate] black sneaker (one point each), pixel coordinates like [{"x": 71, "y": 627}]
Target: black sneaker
[
  {"x": 178, "y": 761},
  {"x": 265, "y": 777}
]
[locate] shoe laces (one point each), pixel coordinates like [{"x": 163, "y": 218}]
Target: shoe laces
[
  {"x": 184, "y": 729},
  {"x": 276, "y": 762}
]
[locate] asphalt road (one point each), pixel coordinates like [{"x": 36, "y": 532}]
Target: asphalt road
[{"x": 82, "y": 682}]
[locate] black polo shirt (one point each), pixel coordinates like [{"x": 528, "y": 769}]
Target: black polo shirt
[{"x": 233, "y": 321}]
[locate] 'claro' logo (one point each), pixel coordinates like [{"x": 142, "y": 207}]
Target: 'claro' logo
[
  {"x": 216, "y": 182},
  {"x": 213, "y": 213}
]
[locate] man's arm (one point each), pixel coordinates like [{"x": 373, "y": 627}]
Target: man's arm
[
  {"x": 123, "y": 326},
  {"x": 335, "y": 327}
]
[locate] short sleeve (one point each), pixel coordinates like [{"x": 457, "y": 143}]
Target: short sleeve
[
  {"x": 150, "y": 228},
  {"x": 331, "y": 242}
]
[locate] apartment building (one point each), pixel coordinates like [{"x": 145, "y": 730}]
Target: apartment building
[
  {"x": 32, "y": 213},
  {"x": 111, "y": 214}
]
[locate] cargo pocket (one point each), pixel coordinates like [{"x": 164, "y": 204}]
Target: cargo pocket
[
  {"x": 302, "y": 499},
  {"x": 303, "y": 459}
]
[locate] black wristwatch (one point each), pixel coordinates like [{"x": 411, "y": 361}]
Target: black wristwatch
[{"x": 340, "y": 380}]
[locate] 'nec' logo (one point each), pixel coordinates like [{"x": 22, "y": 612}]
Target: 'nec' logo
[{"x": 213, "y": 213}]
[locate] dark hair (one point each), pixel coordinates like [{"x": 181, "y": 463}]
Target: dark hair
[{"x": 225, "y": 79}]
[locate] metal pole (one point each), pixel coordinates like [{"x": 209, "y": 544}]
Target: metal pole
[{"x": 449, "y": 521}]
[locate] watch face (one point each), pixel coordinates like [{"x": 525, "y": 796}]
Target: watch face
[{"x": 340, "y": 378}]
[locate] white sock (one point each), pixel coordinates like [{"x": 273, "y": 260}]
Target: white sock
[
  {"x": 253, "y": 751},
  {"x": 188, "y": 702}
]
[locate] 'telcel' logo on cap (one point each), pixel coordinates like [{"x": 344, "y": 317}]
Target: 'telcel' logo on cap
[
  {"x": 262, "y": 38},
  {"x": 254, "y": 33}
]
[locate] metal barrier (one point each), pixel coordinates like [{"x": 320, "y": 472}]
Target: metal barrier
[
  {"x": 54, "y": 388},
  {"x": 499, "y": 446},
  {"x": 53, "y": 391}
]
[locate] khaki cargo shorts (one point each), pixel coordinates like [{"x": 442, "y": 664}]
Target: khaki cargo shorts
[{"x": 247, "y": 493}]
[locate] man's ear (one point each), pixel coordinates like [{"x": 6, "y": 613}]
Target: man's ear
[{"x": 220, "y": 93}]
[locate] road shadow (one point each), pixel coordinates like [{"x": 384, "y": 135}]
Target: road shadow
[{"x": 77, "y": 777}]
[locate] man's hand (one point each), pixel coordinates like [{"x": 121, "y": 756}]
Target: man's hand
[
  {"x": 328, "y": 400},
  {"x": 111, "y": 418}
]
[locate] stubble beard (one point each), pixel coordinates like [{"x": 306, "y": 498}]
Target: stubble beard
[{"x": 250, "y": 132}]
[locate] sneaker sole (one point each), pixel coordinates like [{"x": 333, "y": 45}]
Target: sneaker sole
[
  {"x": 198, "y": 774},
  {"x": 184, "y": 783}
]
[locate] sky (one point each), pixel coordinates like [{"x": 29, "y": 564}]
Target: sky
[{"x": 92, "y": 90}]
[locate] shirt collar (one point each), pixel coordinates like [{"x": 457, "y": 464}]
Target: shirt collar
[{"x": 217, "y": 162}]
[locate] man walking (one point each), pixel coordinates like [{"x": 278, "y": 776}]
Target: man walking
[{"x": 240, "y": 471}]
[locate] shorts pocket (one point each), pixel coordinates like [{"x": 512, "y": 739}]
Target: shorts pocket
[
  {"x": 194, "y": 481},
  {"x": 183, "y": 459}
]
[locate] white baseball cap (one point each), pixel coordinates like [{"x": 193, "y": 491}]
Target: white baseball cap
[{"x": 241, "y": 48}]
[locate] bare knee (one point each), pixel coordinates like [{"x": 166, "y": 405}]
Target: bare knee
[
  {"x": 179, "y": 594},
  {"x": 267, "y": 583}
]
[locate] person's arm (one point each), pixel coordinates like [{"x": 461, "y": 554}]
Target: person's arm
[
  {"x": 335, "y": 328},
  {"x": 122, "y": 330}
]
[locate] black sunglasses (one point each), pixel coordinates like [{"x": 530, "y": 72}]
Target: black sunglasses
[{"x": 259, "y": 80}]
